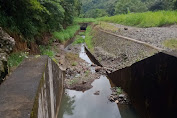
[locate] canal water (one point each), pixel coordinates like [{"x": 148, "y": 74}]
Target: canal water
[{"x": 78, "y": 104}]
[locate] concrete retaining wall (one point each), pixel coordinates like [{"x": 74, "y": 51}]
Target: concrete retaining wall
[
  {"x": 151, "y": 85},
  {"x": 34, "y": 90}
]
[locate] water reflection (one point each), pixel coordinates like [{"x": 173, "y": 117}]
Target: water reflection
[
  {"x": 77, "y": 104},
  {"x": 88, "y": 105},
  {"x": 127, "y": 111},
  {"x": 67, "y": 104},
  {"x": 85, "y": 57}
]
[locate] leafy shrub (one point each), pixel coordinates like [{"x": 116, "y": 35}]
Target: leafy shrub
[
  {"x": 56, "y": 16},
  {"x": 67, "y": 33},
  {"x": 29, "y": 18},
  {"x": 26, "y": 20}
]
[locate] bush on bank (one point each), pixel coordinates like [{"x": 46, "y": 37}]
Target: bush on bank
[
  {"x": 66, "y": 34},
  {"x": 29, "y": 18}
]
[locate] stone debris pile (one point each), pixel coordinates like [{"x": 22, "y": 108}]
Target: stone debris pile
[{"x": 6, "y": 46}]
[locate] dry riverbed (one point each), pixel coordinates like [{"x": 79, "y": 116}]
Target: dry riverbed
[{"x": 154, "y": 35}]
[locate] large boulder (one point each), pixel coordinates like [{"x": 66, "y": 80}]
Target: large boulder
[{"x": 6, "y": 46}]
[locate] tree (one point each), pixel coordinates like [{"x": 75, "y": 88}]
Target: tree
[
  {"x": 162, "y": 5},
  {"x": 175, "y": 4},
  {"x": 125, "y": 6},
  {"x": 94, "y": 13}
]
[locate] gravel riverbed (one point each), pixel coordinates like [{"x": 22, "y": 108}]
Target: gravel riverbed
[{"x": 154, "y": 36}]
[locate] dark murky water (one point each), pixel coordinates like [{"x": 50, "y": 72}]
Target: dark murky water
[{"x": 77, "y": 104}]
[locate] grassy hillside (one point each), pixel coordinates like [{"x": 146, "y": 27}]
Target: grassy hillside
[{"x": 146, "y": 19}]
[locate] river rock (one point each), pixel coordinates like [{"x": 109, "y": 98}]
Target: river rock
[
  {"x": 97, "y": 93},
  {"x": 6, "y": 46},
  {"x": 98, "y": 68}
]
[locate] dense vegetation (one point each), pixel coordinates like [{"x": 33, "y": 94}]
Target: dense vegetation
[
  {"x": 66, "y": 34},
  {"x": 146, "y": 19},
  {"x": 30, "y": 18},
  {"x": 99, "y": 8}
]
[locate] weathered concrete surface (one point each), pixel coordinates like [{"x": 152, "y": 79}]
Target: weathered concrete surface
[
  {"x": 151, "y": 85},
  {"x": 92, "y": 58},
  {"x": 33, "y": 90},
  {"x": 6, "y": 46},
  {"x": 116, "y": 53}
]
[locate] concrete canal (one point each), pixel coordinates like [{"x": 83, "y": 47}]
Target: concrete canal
[{"x": 93, "y": 103}]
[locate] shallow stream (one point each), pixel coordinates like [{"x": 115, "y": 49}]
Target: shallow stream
[{"x": 93, "y": 103}]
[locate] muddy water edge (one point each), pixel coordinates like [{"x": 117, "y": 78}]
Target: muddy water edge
[{"x": 93, "y": 103}]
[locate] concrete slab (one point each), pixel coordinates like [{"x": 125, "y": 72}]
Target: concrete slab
[{"x": 18, "y": 92}]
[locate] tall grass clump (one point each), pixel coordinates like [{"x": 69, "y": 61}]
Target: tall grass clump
[
  {"x": 146, "y": 19},
  {"x": 84, "y": 20},
  {"x": 88, "y": 38},
  {"x": 66, "y": 34},
  {"x": 47, "y": 50},
  {"x": 79, "y": 39},
  {"x": 172, "y": 44},
  {"x": 16, "y": 58}
]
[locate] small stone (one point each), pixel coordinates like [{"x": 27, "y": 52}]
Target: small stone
[
  {"x": 93, "y": 65},
  {"x": 121, "y": 96},
  {"x": 97, "y": 69},
  {"x": 125, "y": 28},
  {"x": 84, "y": 82},
  {"x": 57, "y": 55},
  {"x": 116, "y": 101},
  {"x": 97, "y": 93}
]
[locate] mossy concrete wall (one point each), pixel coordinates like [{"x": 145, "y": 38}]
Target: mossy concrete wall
[
  {"x": 151, "y": 84},
  {"x": 34, "y": 90}
]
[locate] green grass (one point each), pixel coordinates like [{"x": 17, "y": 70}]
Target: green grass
[
  {"x": 172, "y": 44},
  {"x": 84, "y": 20},
  {"x": 79, "y": 40},
  {"x": 88, "y": 38},
  {"x": 119, "y": 90},
  {"x": 146, "y": 19},
  {"x": 81, "y": 33},
  {"x": 47, "y": 50},
  {"x": 15, "y": 59},
  {"x": 74, "y": 64},
  {"x": 66, "y": 34}
]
